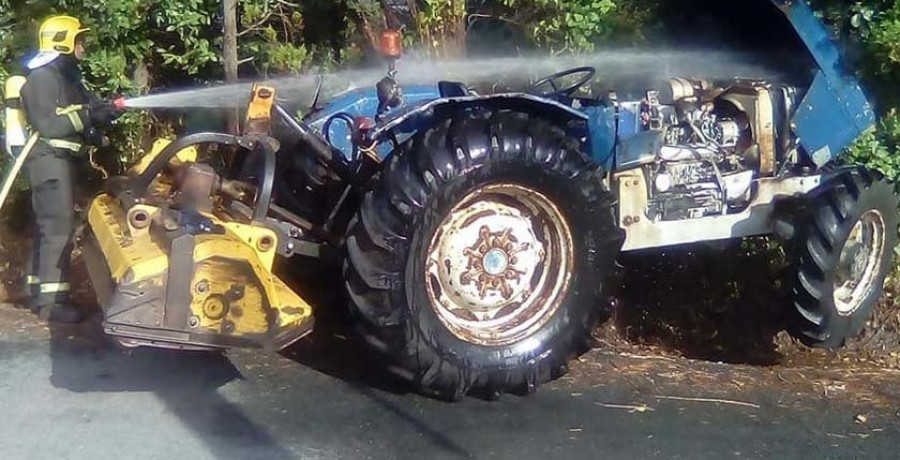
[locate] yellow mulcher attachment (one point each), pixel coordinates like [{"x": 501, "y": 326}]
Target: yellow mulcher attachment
[{"x": 180, "y": 259}]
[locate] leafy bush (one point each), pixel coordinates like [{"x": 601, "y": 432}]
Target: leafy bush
[
  {"x": 442, "y": 27},
  {"x": 566, "y": 26},
  {"x": 878, "y": 148},
  {"x": 873, "y": 26},
  {"x": 143, "y": 44},
  {"x": 561, "y": 26}
]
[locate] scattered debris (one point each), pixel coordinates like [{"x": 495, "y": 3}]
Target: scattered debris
[
  {"x": 710, "y": 400},
  {"x": 860, "y": 419},
  {"x": 642, "y": 357},
  {"x": 631, "y": 408}
]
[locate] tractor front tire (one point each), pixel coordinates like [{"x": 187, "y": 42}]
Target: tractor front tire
[
  {"x": 842, "y": 250},
  {"x": 476, "y": 262}
]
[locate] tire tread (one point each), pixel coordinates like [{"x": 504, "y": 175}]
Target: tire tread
[{"x": 379, "y": 240}]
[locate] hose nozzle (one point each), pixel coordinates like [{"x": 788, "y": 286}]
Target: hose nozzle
[{"x": 120, "y": 103}]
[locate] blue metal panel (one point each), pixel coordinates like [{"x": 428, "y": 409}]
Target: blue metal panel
[
  {"x": 602, "y": 134},
  {"x": 825, "y": 123},
  {"x": 835, "y": 111},
  {"x": 364, "y": 103},
  {"x": 630, "y": 119},
  {"x": 631, "y": 143}
]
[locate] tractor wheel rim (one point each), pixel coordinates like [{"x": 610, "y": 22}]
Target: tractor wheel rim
[
  {"x": 860, "y": 263},
  {"x": 499, "y": 265}
]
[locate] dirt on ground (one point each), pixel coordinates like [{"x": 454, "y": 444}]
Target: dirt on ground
[
  {"x": 713, "y": 317},
  {"x": 729, "y": 302}
]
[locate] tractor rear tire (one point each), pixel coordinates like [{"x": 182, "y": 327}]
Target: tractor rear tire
[
  {"x": 842, "y": 249},
  {"x": 476, "y": 262}
]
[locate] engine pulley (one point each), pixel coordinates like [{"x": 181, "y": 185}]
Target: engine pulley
[{"x": 725, "y": 133}]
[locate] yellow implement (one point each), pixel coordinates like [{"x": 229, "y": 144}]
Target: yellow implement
[
  {"x": 190, "y": 291},
  {"x": 178, "y": 260}
]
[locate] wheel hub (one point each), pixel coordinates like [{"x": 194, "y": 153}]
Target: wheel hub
[
  {"x": 860, "y": 263},
  {"x": 495, "y": 262},
  {"x": 499, "y": 264},
  {"x": 489, "y": 265}
]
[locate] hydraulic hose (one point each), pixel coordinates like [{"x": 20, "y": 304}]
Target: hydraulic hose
[
  {"x": 261, "y": 207},
  {"x": 138, "y": 186},
  {"x": 321, "y": 148}
]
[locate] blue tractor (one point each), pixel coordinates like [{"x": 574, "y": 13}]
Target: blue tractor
[{"x": 477, "y": 233}]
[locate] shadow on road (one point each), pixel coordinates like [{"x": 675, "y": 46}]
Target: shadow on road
[
  {"x": 332, "y": 351},
  {"x": 333, "y": 348},
  {"x": 723, "y": 303},
  {"x": 84, "y": 361}
]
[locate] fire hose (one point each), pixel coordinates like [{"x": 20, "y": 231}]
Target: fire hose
[{"x": 11, "y": 176}]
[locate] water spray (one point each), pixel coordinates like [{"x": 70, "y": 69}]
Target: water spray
[{"x": 486, "y": 74}]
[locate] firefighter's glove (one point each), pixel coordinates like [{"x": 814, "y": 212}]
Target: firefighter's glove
[
  {"x": 104, "y": 114},
  {"x": 95, "y": 138}
]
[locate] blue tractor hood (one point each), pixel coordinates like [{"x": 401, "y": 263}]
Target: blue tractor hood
[{"x": 835, "y": 110}]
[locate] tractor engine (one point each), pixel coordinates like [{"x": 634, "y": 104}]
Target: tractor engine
[{"x": 711, "y": 147}]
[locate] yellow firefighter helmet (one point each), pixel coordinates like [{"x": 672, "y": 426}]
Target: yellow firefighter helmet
[
  {"x": 58, "y": 34},
  {"x": 57, "y": 37}
]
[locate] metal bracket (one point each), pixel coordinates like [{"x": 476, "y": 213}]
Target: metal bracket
[{"x": 178, "y": 282}]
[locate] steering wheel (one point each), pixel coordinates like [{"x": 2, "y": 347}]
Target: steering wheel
[{"x": 551, "y": 80}]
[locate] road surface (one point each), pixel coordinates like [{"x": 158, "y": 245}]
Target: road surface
[{"x": 66, "y": 393}]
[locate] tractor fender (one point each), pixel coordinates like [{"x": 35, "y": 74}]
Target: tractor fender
[{"x": 422, "y": 117}]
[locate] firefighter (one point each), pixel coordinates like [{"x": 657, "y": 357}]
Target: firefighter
[{"x": 69, "y": 120}]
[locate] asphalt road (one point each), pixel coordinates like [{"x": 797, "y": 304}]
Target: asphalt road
[{"x": 67, "y": 394}]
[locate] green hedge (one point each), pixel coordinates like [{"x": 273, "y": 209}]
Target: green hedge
[
  {"x": 872, "y": 29},
  {"x": 139, "y": 44}
]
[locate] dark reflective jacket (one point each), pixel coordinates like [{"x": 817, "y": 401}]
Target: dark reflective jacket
[{"x": 57, "y": 103}]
